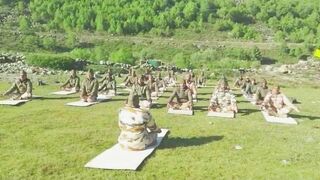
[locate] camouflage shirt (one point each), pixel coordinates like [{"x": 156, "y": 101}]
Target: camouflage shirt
[
  {"x": 90, "y": 87},
  {"x": 20, "y": 87}
]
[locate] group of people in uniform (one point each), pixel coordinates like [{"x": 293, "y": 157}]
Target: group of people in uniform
[
  {"x": 273, "y": 101},
  {"x": 138, "y": 128}
]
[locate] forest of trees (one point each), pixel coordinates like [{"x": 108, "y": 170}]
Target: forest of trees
[
  {"x": 296, "y": 21},
  {"x": 292, "y": 20}
]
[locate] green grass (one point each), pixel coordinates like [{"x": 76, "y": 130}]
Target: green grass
[{"x": 44, "y": 139}]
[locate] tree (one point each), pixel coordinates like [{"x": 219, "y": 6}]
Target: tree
[
  {"x": 49, "y": 43},
  {"x": 123, "y": 56},
  {"x": 24, "y": 23},
  {"x": 256, "y": 54}
]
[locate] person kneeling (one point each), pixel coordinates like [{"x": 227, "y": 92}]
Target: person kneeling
[{"x": 138, "y": 128}]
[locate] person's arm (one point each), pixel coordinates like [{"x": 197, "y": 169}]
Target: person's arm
[
  {"x": 95, "y": 88},
  {"x": 29, "y": 87},
  {"x": 267, "y": 99},
  {"x": 65, "y": 84},
  {"x": 83, "y": 89},
  {"x": 11, "y": 90},
  {"x": 152, "y": 126},
  {"x": 287, "y": 102},
  {"x": 103, "y": 79}
]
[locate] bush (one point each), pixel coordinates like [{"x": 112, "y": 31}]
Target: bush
[
  {"x": 123, "y": 56},
  {"x": 53, "y": 61}
]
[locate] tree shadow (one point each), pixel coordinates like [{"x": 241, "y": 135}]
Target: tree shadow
[
  {"x": 245, "y": 112},
  {"x": 312, "y": 118},
  {"x": 170, "y": 143}
]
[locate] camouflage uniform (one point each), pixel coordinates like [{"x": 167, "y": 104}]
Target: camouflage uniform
[
  {"x": 72, "y": 83},
  {"x": 160, "y": 82},
  {"x": 142, "y": 89},
  {"x": 261, "y": 93},
  {"x": 89, "y": 89},
  {"x": 202, "y": 79},
  {"x": 21, "y": 89},
  {"x": 223, "y": 101},
  {"x": 277, "y": 105},
  {"x": 108, "y": 82},
  {"x": 138, "y": 128},
  {"x": 131, "y": 80},
  {"x": 184, "y": 98}
]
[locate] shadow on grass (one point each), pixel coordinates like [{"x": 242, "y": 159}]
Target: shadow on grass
[
  {"x": 200, "y": 108},
  {"x": 243, "y": 101},
  {"x": 55, "y": 98},
  {"x": 204, "y": 94},
  {"x": 245, "y": 112},
  {"x": 158, "y": 106},
  {"x": 312, "y": 118},
  {"x": 176, "y": 142}
]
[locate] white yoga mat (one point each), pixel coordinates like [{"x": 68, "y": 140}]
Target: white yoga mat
[
  {"x": 81, "y": 104},
  {"x": 117, "y": 158},
  {"x": 182, "y": 112},
  {"x": 11, "y": 102},
  {"x": 64, "y": 92},
  {"x": 273, "y": 119},
  {"x": 102, "y": 97},
  {"x": 221, "y": 114},
  {"x": 248, "y": 98}
]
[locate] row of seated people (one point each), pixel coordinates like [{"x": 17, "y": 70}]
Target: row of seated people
[{"x": 273, "y": 101}]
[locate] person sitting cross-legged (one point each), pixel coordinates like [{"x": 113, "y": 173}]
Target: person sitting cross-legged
[
  {"x": 277, "y": 104},
  {"x": 138, "y": 128},
  {"x": 108, "y": 83},
  {"x": 223, "y": 100},
  {"x": 73, "y": 83},
  {"x": 183, "y": 96},
  {"x": 21, "y": 89},
  {"x": 90, "y": 87}
]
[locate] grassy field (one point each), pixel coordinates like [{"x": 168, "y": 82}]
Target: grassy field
[{"x": 44, "y": 139}]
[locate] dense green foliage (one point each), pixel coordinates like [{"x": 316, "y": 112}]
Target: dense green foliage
[
  {"x": 51, "y": 60},
  {"x": 295, "y": 20}
]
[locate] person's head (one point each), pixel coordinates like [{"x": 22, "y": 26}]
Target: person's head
[
  {"x": 276, "y": 90},
  {"x": 247, "y": 79},
  {"x": 253, "y": 81},
  {"x": 133, "y": 100},
  {"x": 23, "y": 75},
  {"x": 223, "y": 86},
  {"x": 90, "y": 74},
  {"x": 73, "y": 73}
]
